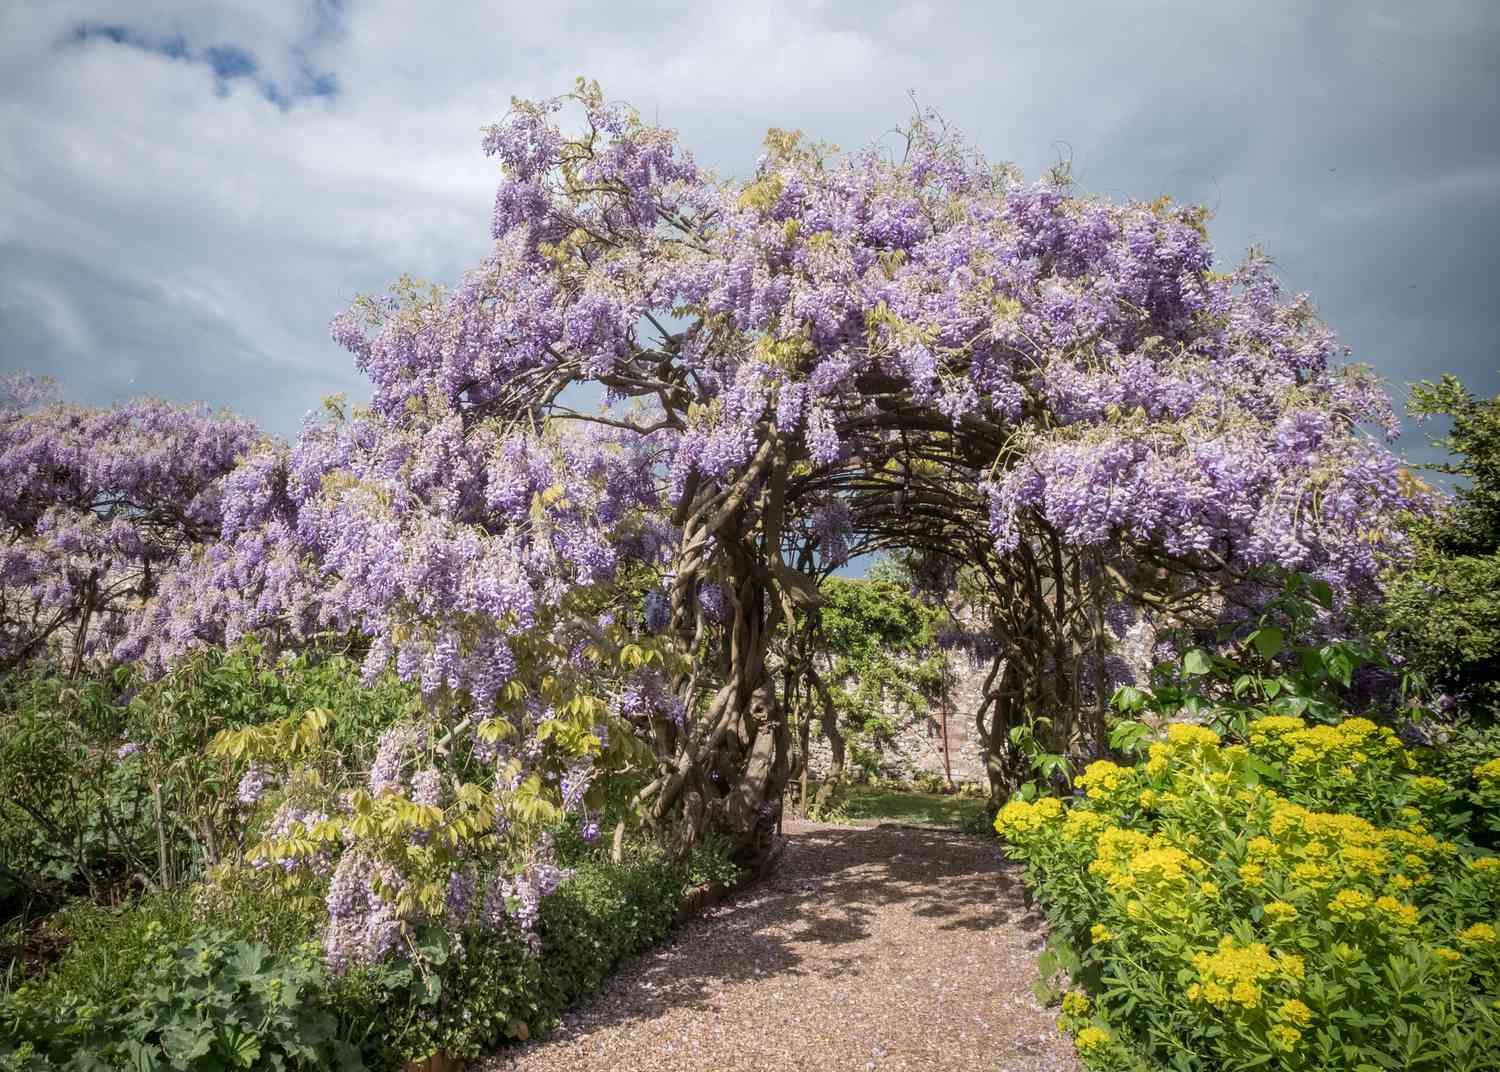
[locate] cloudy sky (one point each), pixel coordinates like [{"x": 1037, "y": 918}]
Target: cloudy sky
[{"x": 190, "y": 190}]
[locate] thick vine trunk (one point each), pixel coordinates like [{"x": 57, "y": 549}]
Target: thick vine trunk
[
  {"x": 836, "y": 746},
  {"x": 729, "y": 771}
]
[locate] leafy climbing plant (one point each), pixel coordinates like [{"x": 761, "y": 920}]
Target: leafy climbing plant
[
  {"x": 1257, "y": 670},
  {"x": 882, "y": 659}
]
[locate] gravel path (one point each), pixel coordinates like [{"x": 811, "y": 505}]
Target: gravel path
[{"x": 868, "y": 948}]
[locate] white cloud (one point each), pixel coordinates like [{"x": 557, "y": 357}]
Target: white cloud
[{"x": 168, "y": 229}]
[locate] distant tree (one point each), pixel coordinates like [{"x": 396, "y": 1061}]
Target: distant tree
[{"x": 1443, "y": 607}]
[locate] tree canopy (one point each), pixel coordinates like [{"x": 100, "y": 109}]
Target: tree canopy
[{"x": 1443, "y": 605}]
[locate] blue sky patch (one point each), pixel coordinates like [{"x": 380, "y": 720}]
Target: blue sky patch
[{"x": 228, "y": 61}]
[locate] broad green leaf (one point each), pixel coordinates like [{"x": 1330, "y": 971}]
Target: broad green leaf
[
  {"x": 1197, "y": 662},
  {"x": 1268, "y": 641}
]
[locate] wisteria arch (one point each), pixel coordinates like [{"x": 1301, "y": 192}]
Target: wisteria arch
[{"x": 901, "y": 348}]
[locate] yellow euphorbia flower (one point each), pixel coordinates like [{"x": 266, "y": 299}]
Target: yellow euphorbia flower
[
  {"x": 1478, "y": 934},
  {"x": 1285, "y": 1037},
  {"x": 1280, "y": 911},
  {"x": 1022, "y": 817},
  {"x": 1234, "y": 973},
  {"x": 1092, "y": 1040},
  {"x": 1187, "y": 735},
  {"x": 1487, "y": 773},
  {"x": 1351, "y": 906},
  {"x": 1294, "y": 1011},
  {"x": 1103, "y": 779},
  {"x": 1397, "y": 912},
  {"x": 1075, "y": 1003}
]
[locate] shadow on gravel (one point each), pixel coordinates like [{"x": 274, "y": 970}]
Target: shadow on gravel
[{"x": 812, "y": 914}]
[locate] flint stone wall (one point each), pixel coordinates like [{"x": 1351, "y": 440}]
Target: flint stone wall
[{"x": 917, "y": 745}]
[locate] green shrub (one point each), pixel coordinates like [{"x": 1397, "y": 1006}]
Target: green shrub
[
  {"x": 72, "y": 814},
  {"x": 1293, "y": 902},
  {"x": 106, "y": 784},
  {"x": 131, "y": 979},
  {"x": 140, "y": 986},
  {"x": 467, "y": 1005},
  {"x": 218, "y": 1002}
]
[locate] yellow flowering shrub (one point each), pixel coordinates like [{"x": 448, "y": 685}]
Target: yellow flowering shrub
[
  {"x": 1235, "y": 974},
  {"x": 1487, "y": 779},
  {"x": 1108, "y": 782},
  {"x": 1297, "y": 901},
  {"x": 1093, "y": 1042},
  {"x": 1021, "y": 818}
]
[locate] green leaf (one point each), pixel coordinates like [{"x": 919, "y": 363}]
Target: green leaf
[
  {"x": 1312, "y": 664},
  {"x": 240, "y": 1047},
  {"x": 185, "y": 1043},
  {"x": 1197, "y": 662},
  {"x": 246, "y": 961},
  {"x": 1127, "y": 736},
  {"x": 1268, "y": 641},
  {"x": 1128, "y": 698}
]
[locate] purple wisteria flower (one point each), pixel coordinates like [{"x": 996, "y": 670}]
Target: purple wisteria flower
[
  {"x": 294, "y": 821},
  {"x": 253, "y": 785}
]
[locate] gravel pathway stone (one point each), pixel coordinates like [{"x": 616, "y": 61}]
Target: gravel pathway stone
[{"x": 868, "y": 948}]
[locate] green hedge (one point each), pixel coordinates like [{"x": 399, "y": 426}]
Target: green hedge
[{"x": 158, "y": 986}]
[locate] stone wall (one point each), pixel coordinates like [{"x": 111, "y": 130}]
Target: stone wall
[{"x": 918, "y": 744}]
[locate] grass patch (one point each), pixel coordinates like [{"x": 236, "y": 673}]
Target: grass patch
[{"x": 953, "y": 812}]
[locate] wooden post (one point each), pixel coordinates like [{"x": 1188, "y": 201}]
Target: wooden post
[{"x": 947, "y": 760}]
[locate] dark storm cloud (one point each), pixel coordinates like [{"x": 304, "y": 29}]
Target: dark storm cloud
[{"x": 190, "y": 193}]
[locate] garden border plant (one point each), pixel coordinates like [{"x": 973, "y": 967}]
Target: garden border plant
[{"x": 1304, "y": 897}]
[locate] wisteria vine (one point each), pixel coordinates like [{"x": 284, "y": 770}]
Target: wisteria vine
[{"x": 904, "y": 347}]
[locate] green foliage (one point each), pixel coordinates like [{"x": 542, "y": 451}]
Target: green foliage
[
  {"x": 216, "y": 1003},
  {"x": 1468, "y": 749},
  {"x": 1299, "y": 900},
  {"x": 1261, "y": 670},
  {"x": 1474, "y": 441},
  {"x": 151, "y": 984},
  {"x": 883, "y": 657},
  {"x": 103, "y": 947},
  {"x": 106, "y": 784},
  {"x": 71, "y": 814},
  {"x": 467, "y": 1000},
  {"x": 1442, "y": 608}
]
